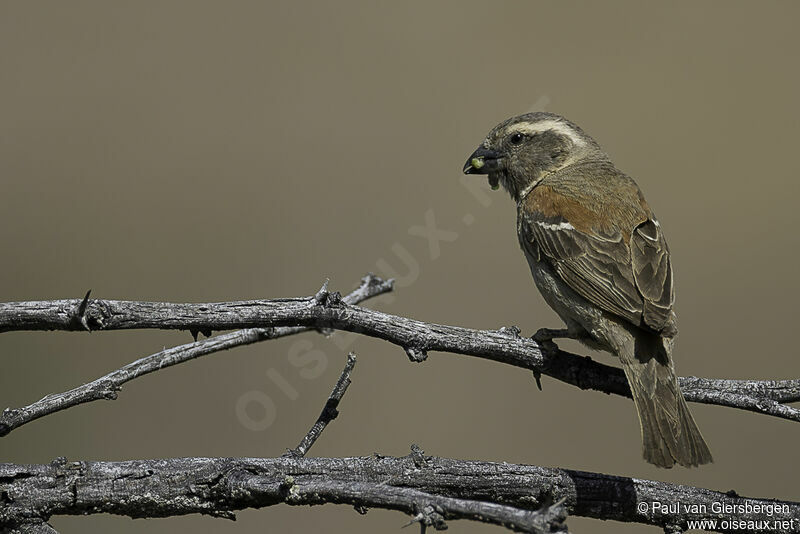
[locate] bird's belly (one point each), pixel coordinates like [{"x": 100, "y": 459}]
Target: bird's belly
[{"x": 574, "y": 310}]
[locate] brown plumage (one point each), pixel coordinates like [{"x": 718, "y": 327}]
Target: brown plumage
[{"x": 599, "y": 257}]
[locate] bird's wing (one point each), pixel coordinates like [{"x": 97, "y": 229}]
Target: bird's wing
[
  {"x": 652, "y": 271},
  {"x": 623, "y": 268}
]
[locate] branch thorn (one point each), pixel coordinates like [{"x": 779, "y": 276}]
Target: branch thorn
[
  {"x": 79, "y": 312},
  {"x": 223, "y": 514},
  {"x": 322, "y": 295},
  {"x": 510, "y": 331},
  {"x": 418, "y": 455},
  {"x": 416, "y": 355},
  {"x": 429, "y": 515},
  {"x": 537, "y": 375}
]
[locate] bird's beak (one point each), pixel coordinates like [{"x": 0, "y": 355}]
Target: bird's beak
[{"x": 482, "y": 161}]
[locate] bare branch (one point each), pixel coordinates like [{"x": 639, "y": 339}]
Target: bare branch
[
  {"x": 106, "y": 387},
  {"x": 425, "y": 508},
  {"x": 32, "y": 527},
  {"x": 329, "y": 411},
  {"x": 328, "y": 310},
  {"x": 220, "y": 486},
  {"x": 98, "y": 314}
]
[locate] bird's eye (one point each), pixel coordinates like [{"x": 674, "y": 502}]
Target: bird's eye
[{"x": 516, "y": 138}]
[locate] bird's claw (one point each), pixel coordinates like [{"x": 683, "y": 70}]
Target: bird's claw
[{"x": 543, "y": 335}]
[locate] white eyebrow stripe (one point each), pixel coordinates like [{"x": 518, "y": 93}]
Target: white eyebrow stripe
[
  {"x": 544, "y": 126},
  {"x": 560, "y": 226}
]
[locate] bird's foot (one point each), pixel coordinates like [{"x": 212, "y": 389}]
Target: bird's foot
[{"x": 544, "y": 335}]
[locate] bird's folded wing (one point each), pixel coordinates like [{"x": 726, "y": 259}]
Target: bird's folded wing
[
  {"x": 630, "y": 278},
  {"x": 652, "y": 271}
]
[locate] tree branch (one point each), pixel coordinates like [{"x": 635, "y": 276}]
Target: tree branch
[
  {"x": 32, "y": 527},
  {"x": 220, "y": 486},
  {"x": 427, "y": 509},
  {"x": 432, "y": 490},
  {"x": 329, "y": 411},
  {"x": 329, "y": 310},
  {"x": 106, "y": 387}
]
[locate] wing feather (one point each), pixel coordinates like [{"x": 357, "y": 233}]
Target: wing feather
[
  {"x": 590, "y": 266},
  {"x": 625, "y": 270},
  {"x": 652, "y": 271}
]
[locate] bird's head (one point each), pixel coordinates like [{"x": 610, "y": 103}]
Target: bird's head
[{"x": 521, "y": 151}]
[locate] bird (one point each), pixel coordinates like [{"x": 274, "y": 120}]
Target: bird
[{"x": 599, "y": 258}]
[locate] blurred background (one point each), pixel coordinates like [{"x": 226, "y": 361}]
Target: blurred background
[{"x": 207, "y": 151}]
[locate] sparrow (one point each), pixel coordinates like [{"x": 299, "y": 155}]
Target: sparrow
[{"x": 599, "y": 258}]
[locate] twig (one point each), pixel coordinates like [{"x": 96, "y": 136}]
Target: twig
[
  {"x": 425, "y": 508},
  {"x": 106, "y": 387},
  {"x": 329, "y": 411},
  {"x": 220, "y": 486}
]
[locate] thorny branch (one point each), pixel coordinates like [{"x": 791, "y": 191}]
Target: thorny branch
[
  {"x": 431, "y": 490},
  {"x": 106, "y": 387},
  {"x": 274, "y": 318}
]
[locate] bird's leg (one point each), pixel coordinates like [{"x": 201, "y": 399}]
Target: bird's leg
[{"x": 544, "y": 338}]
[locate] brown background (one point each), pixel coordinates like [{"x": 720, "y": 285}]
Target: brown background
[{"x": 192, "y": 151}]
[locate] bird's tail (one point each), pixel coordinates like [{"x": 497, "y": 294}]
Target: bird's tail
[{"x": 669, "y": 433}]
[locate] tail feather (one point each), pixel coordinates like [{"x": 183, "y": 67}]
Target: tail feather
[{"x": 669, "y": 432}]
